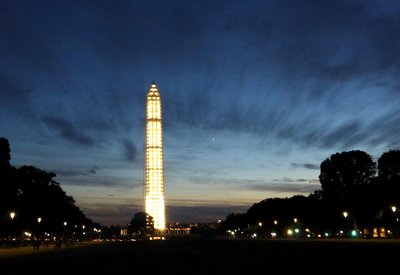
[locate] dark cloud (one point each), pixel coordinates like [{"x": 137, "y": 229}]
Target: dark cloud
[
  {"x": 130, "y": 151},
  {"x": 310, "y": 166},
  {"x": 9, "y": 88},
  {"x": 85, "y": 178},
  {"x": 67, "y": 130},
  {"x": 71, "y": 173},
  {"x": 339, "y": 41},
  {"x": 287, "y": 187},
  {"x": 310, "y": 74},
  {"x": 94, "y": 169},
  {"x": 319, "y": 49},
  {"x": 14, "y": 97}
]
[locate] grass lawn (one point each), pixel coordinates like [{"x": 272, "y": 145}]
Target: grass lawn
[{"x": 188, "y": 256}]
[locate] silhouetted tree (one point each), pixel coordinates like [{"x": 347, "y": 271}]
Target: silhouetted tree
[
  {"x": 141, "y": 225},
  {"x": 33, "y": 193},
  {"x": 41, "y": 196},
  {"x": 386, "y": 188},
  {"x": 7, "y": 184},
  {"x": 4, "y": 152},
  {"x": 343, "y": 173},
  {"x": 389, "y": 165}
]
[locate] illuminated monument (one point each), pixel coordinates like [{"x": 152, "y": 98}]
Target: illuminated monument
[{"x": 154, "y": 174}]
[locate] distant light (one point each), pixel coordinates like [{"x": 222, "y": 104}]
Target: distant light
[
  {"x": 260, "y": 224},
  {"x": 308, "y": 235},
  {"x": 12, "y": 215},
  {"x": 290, "y": 232},
  {"x": 295, "y": 220},
  {"x": 65, "y": 223},
  {"x": 39, "y": 219},
  {"x": 394, "y": 208},
  {"x": 297, "y": 230},
  {"x": 353, "y": 233},
  {"x": 326, "y": 234},
  {"x": 275, "y": 222},
  {"x": 345, "y": 214},
  {"x": 273, "y": 234}
]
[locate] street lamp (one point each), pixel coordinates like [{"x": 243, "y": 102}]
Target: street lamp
[
  {"x": 39, "y": 219},
  {"x": 12, "y": 216},
  {"x": 345, "y": 214},
  {"x": 394, "y": 209}
]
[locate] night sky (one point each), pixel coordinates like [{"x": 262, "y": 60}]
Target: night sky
[{"x": 256, "y": 94}]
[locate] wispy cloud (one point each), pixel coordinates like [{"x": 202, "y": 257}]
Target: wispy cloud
[
  {"x": 301, "y": 77},
  {"x": 67, "y": 130},
  {"x": 130, "y": 151},
  {"x": 284, "y": 187},
  {"x": 310, "y": 166}
]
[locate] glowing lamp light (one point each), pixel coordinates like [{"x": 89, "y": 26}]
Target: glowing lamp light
[{"x": 12, "y": 215}]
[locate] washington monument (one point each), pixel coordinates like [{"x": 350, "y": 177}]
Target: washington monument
[{"x": 154, "y": 174}]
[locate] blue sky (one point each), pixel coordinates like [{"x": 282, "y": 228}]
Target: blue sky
[{"x": 256, "y": 94}]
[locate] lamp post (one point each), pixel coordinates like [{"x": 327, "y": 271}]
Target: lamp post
[
  {"x": 394, "y": 229},
  {"x": 12, "y": 216},
  {"x": 354, "y": 231},
  {"x": 345, "y": 215}
]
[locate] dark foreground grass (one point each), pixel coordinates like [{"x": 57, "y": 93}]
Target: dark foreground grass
[{"x": 214, "y": 257}]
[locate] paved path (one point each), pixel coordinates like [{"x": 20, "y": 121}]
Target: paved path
[{"x": 7, "y": 252}]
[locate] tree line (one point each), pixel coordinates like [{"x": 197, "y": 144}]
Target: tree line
[
  {"x": 33, "y": 204},
  {"x": 358, "y": 196}
]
